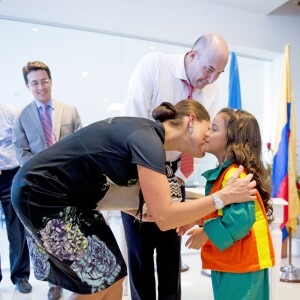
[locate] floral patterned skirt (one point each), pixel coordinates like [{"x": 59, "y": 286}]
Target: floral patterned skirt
[{"x": 70, "y": 246}]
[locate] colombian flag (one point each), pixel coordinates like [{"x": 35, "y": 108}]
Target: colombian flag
[{"x": 284, "y": 163}]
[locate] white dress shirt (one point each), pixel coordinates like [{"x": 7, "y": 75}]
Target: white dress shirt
[
  {"x": 158, "y": 78},
  {"x": 8, "y": 159}
]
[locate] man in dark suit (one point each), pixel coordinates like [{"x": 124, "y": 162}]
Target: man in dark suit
[{"x": 42, "y": 122}]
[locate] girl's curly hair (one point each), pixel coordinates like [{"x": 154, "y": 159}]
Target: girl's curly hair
[{"x": 244, "y": 148}]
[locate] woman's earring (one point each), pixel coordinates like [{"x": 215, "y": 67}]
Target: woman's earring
[{"x": 190, "y": 128}]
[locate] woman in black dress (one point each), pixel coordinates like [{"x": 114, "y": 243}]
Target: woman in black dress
[{"x": 55, "y": 194}]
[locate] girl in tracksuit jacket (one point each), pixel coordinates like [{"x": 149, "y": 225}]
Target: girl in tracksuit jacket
[{"x": 235, "y": 240}]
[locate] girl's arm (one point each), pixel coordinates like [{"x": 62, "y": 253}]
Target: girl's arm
[{"x": 235, "y": 223}]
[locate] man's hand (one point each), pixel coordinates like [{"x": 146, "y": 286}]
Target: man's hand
[
  {"x": 145, "y": 217},
  {"x": 183, "y": 229}
]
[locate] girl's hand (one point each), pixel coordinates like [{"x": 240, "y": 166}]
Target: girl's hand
[{"x": 197, "y": 238}]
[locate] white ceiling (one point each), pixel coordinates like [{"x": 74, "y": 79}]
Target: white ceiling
[
  {"x": 260, "y": 6},
  {"x": 88, "y": 13}
]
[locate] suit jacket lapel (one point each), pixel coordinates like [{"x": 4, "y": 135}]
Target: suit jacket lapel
[
  {"x": 58, "y": 111},
  {"x": 35, "y": 115}
]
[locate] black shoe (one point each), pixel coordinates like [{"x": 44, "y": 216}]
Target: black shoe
[
  {"x": 184, "y": 267},
  {"x": 54, "y": 293},
  {"x": 23, "y": 286}
]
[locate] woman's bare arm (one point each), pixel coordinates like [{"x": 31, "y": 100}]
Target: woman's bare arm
[{"x": 167, "y": 215}]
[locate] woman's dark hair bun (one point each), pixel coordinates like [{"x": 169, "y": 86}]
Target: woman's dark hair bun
[{"x": 165, "y": 111}]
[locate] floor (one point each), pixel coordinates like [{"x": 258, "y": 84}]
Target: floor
[{"x": 194, "y": 284}]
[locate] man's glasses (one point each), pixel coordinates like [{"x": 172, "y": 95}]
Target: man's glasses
[{"x": 43, "y": 82}]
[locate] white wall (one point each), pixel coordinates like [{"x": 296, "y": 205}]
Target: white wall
[
  {"x": 179, "y": 22},
  {"x": 92, "y": 70}
]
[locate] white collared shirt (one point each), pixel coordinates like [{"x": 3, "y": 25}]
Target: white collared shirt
[
  {"x": 158, "y": 78},
  {"x": 8, "y": 159}
]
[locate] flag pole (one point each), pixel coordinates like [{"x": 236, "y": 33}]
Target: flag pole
[
  {"x": 284, "y": 166},
  {"x": 290, "y": 245},
  {"x": 289, "y": 273}
]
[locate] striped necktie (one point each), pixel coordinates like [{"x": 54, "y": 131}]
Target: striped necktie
[
  {"x": 47, "y": 125},
  {"x": 187, "y": 162},
  {"x": 190, "y": 87}
]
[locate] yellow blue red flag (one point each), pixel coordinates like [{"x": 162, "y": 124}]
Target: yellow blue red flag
[{"x": 284, "y": 162}]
